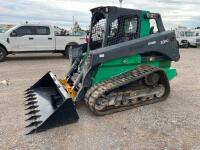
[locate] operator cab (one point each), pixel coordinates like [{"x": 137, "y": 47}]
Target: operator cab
[{"x": 113, "y": 25}]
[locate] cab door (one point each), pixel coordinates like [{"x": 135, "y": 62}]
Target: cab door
[
  {"x": 44, "y": 39},
  {"x": 21, "y": 39}
]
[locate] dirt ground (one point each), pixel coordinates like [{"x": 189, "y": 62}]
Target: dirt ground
[{"x": 173, "y": 124}]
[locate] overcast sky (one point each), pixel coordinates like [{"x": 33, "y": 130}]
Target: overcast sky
[{"x": 61, "y": 12}]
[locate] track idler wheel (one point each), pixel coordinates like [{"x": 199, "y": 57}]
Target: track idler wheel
[{"x": 152, "y": 79}]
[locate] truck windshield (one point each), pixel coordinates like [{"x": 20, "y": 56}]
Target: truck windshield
[{"x": 189, "y": 34}]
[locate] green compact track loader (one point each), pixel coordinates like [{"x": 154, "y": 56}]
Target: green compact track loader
[{"x": 125, "y": 64}]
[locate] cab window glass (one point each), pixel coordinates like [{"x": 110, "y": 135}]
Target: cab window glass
[
  {"x": 24, "y": 30},
  {"x": 189, "y": 34},
  {"x": 130, "y": 25},
  {"x": 42, "y": 30},
  {"x": 122, "y": 29},
  {"x": 153, "y": 26},
  {"x": 113, "y": 28}
]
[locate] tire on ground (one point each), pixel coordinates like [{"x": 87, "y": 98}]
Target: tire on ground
[
  {"x": 187, "y": 45},
  {"x": 3, "y": 54},
  {"x": 68, "y": 47}
]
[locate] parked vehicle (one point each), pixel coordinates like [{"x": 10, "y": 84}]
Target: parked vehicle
[
  {"x": 197, "y": 33},
  {"x": 37, "y": 38},
  {"x": 187, "y": 38}
]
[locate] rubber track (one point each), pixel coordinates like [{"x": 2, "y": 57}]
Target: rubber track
[{"x": 108, "y": 85}]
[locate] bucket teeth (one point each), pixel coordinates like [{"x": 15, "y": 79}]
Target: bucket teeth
[
  {"x": 32, "y": 107},
  {"x": 31, "y": 103},
  {"x": 31, "y": 99},
  {"x": 32, "y": 112},
  {"x": 31, "y": 132},
  {"x": 35, "y": 117},
  {"x": 47, "y": 105},
  {"x": 29, "y": 92},
  {"x": 30, "y": 95},
  {"x": 35, "y": 123}
]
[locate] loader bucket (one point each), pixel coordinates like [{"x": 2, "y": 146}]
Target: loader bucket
[{"x": 48, "y": 105}]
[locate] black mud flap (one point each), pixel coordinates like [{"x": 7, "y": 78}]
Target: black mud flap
[{"x": 48, "y": 105}]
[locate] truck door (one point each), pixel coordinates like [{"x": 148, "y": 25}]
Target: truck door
[
  {"x": 43, "y": 38},
  {"x": 21, "y": 39}
]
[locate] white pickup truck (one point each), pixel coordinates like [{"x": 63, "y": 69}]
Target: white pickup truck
[{"x": 34, "y": 38}]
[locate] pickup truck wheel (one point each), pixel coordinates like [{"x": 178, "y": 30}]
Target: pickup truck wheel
[
  {"x": 66, "y": 52},
  {"x": 3, "y": 54},
  {"x": 68, "y": 47}
]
